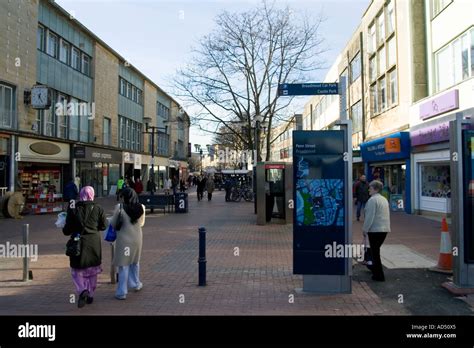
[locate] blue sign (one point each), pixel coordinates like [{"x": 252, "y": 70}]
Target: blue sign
[
  {"x": 307, "y": 89},
  {"x": 319, "y": 196},
  {"x": 376, "y": 150}
]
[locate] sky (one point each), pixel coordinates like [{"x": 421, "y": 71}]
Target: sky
[{"x": 156, "y": 36}]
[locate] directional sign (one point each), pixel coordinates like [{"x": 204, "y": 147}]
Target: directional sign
[{"x": 307, "y": 89}]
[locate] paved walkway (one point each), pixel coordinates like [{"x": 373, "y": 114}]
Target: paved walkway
[{"x": 249, "y": 269}]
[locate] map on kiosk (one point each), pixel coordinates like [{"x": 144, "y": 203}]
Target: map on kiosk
[{"x": 319, "y": 202}]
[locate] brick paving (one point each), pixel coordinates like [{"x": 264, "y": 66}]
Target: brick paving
[{"x": 257, "y": 281}]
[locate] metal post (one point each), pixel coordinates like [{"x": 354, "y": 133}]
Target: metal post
[
  {"x": 26, "y": 260},
  {"x": 112, "y": 267},
  {"x": 152, "y": 160},
  {"x": 202, "y": 256}
]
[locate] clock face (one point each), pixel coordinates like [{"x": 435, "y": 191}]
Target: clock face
[{"x": 40, "y": 97}]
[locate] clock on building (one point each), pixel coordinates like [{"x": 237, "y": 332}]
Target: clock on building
[{"x": 40, "y": 97}]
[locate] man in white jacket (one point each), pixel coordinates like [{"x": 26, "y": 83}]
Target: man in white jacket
[{"x": 376, "y": 225}]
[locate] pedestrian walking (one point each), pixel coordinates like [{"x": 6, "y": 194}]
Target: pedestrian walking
[
  {"x": 200, "y": 188},
  {"x": 151, "y": 186},
  {"x": 87, "y": 219},
  {"x": 182, "y": 186},
  {"x": 228, "y": 189},
  {"x": 376, "y": 225},
  {"x": 361, "y": 194},
  {"x": 210, "y": 186},
  {"x": 128, "y": 245},
  {"x": 138, "y": 186}
]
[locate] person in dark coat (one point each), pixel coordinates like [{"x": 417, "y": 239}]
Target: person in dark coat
[
  {"x": 70, "y": 193},
  {"x": 361, "y": 194},
  {"x": 86, "y": 219}
]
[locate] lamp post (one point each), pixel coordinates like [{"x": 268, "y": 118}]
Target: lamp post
[
  {"x": 199, "y": 150},
  {"x": 151, "y": 130}
]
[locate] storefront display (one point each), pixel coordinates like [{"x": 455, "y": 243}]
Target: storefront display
[
  {"x": 99, "y": 168},
  {"x": 41, "y": 185}
]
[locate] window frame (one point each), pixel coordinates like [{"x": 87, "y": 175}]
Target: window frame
[
  {"x": 48, "y": 48},
  {"x": 78, "y": 59},
  {"x": 65, "y": 51}
]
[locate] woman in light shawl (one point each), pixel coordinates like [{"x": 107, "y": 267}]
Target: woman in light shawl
[
  {"x": 128, "y": 246},
  {"x": 87, "y": 219}
]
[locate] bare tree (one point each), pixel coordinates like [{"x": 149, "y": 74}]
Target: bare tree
[{"x": 235, "y": 72}]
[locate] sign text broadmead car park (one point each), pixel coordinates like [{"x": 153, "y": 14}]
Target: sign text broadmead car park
[{"x": 308, "y": 89}]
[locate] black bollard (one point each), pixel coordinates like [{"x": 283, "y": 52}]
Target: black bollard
[{"x": 202, "y": 256}]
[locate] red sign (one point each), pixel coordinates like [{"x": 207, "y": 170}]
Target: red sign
[{"x": 274, "y": 166}]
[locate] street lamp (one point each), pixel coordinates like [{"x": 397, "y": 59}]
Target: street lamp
[
  {"x": 199, "y": 150},
  {"x": 151, "y": 130}
]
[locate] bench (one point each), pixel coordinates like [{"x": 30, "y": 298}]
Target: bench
[{"x": 156, "y": 202}]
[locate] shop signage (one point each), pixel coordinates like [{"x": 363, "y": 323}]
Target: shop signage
[
  {"x": 392, "y": 145},
  {"x": 274, "y": 166},
  {"x": 429, "y": 135},
  {"x": 34, "y": 150},
  {"x": 376, "y": 150},
  {"x": 319, "y": 196},
  {"x": 441, "y": 104},
  {"x": 137, "y": 161},
  {"x": 308, "y": 88},
  {"x": 91, "y": 154}
]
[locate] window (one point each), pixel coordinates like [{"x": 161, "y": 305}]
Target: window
[
  {"x": 393, "y": 87},
  {"x": 76, "y": 59},
  {"x": 73, "y": 119},
  {"x": 454, "y": 62},
  {"x": 49, "y": 122},
  {"x": 129, "y": 90},
  {"x": 392, "y": 52},
  {"x": 107, "y": 131},
  {"x": 122, "y": 132},
  {"x": 37, "y": 126},
  {"x": 355, "y": 67},
  {"x": 61, "y": 117},
  {"x": 435, "y": 181},
  {"x": 383, "y": 94},
  {"x": 83, "y": 123},
  {"x": 381, "y": 28},
  {"x": 85, "y": 64},
  {"x": 6, "y": 106},
  {"x": 64, "y": 51},
  {"x": 53, "y": 45},
  {"x": 438, "y": 6},
  {"x": 139, "y": 97},
  {"x": 127, "y": 133},
  {"x": 134, "y": 93},
  {"x": 373, "y": 69},
  {"x": 40, "y": 38},
  {"x": 390, "y": 17},
  {"x": 123, "y": 87},
  {"x": 374, "y": 99},
  {"x": 372, "y": 44},
  {"x": 382, "y": 61},
  {"x": 356, "y": 114}
]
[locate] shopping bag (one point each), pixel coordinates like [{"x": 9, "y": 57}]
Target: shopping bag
[
  {"x": 61, "y": 221},
  {"x": 111, "y": 234}
]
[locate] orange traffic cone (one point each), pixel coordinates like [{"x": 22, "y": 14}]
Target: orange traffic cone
[{"x": 445, "y": 261}]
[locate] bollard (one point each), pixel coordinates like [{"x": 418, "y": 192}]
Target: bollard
[
  {"x": 202, "y": 256},
  {"x": 26, "y": 260}
]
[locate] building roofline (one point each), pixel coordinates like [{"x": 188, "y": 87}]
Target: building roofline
[{"x": 103, "y": 43}]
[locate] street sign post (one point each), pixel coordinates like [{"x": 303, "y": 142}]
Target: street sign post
[{"x": 288, "y": 89}]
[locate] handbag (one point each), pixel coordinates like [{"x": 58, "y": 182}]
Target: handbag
[
  {"x": 119, "y": 222},
  {"x": 111, "y": 235},
  {"x": 74, "y": 244}
]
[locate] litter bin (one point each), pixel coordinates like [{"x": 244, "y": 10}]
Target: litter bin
[{"x": 181, "y": 202}]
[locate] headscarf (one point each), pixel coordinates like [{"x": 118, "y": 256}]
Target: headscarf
[
  {"x": 87, "y": 193},
  {"x": 131, "y": 205}
]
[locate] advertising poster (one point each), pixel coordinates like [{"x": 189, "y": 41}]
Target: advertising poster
[{"x": 319, "y": 214}]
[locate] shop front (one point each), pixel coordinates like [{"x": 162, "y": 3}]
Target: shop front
[
  {"x": 388, "y": 159},
  {"x": 97, "y": 167},
  {"x": 5, "y": 151},
  {"x": 43, "y": 171},
  {"x": 132, "y": 166}
]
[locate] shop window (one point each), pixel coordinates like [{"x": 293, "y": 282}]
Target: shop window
[
  {"x": 435, "y": 181},
  {"x": 6, "y": 106}
]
